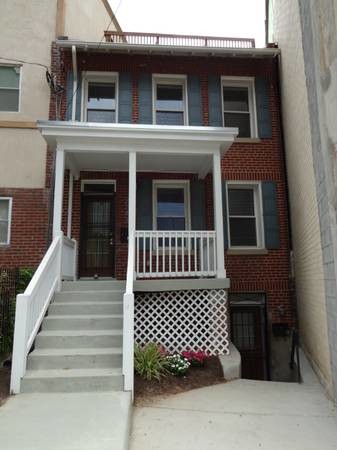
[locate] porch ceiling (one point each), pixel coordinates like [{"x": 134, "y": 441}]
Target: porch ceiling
[{"x": 166, "y": 148}]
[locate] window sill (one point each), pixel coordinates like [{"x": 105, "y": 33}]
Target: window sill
[
  {"x": 247, "y": 140},
  {"x": 247, "y": 251}
]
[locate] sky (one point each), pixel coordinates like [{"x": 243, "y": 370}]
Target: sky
[{"x": 229, "y": 18}]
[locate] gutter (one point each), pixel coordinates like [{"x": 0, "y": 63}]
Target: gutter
[
  {"x": 168, "y": 49},
  {"x": 74, "y": 97}
]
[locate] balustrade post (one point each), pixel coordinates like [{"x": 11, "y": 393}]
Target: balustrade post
[{"x": 218, "y": 215}]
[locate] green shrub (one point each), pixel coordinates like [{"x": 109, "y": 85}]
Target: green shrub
[
  {"x": 177, "y": 364},
  {"x": 150, "y": 362}
]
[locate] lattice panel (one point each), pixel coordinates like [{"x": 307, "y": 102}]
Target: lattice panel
[{"x": 183, "y": 320}]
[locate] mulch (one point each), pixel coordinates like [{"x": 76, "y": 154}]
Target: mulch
[
  {"x": 196, "y": 377},
  {"x": 5, "y": 374}
]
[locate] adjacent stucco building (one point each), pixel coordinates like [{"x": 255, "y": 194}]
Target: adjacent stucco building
[{"x": 305, "y": 30}]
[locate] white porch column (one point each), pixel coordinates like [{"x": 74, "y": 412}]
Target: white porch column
[
  {"x": 132, "y": 199},
  {"x": 58, "y": 192},
  {"x": 218, "y": 215},
  {"x": 70, "y": 204}
]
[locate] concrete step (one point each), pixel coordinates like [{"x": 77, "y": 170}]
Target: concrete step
[
  {"x": 79, "y": 339},
  {"x": 76, "y": 358},
  {"x": 83, "y": 322},
  {"x": 89, "y": 296},
  {"x": 72, "y": 380},
  {"x": 83, "y": 308},
  {"x": 93, "y": 285}
]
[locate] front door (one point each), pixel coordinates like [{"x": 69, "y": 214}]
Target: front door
[
  {"x": 97, "y": 243},
  {"x": 248, "y": 334}
]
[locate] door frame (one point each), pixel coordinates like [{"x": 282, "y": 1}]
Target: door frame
[{"x": 83, "y": 194}]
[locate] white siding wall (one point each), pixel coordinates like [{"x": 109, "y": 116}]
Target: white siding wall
[{"x": 303, "y": 198}]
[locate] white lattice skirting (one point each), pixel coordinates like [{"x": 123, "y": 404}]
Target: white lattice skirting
[{"x": 183, "y": 320}]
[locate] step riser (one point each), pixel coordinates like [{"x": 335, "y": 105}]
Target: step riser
[
  {"x": 61, "y": 309},
  {"x": 89, "y": 297},
  {"x": 93, "y": 285},
  {"x": 73, "y": 384},
  {"x": 78, "y": 341},
  {"x": 43, "y": 362},
  {"x": 109, "y": 323}
]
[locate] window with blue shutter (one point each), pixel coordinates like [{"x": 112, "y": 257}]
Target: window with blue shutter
[
  {"x": 263, "y": 108},
  {"x": 71, "y": 94},
  {"x": 194, "y": 101},
  {"x": 125, "y": 98},
  {"x": 145, "y": 98},
  {"x": 214, "y": 101},
  {"x": 270, "y": 215}
]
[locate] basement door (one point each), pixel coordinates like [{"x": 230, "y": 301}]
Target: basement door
[
  {"x": 97, "y": 240},
  {"x": 248, "y": 334}
]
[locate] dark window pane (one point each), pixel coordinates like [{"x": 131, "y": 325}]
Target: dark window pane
[
  {"x": 170, "y": 202},
  {"x": 3, "y": 232},
  {"x": 169, "y": 92},
  {"x": 241, "y": 202},
  {"x": 101, "y": 116},
  {"x": 9, "y": 100},
  {"x": 169, "y": 118},
  {"x": 242, "y": 232},
  {"x": 101, "y": 96},
  {"x": 104, "y": 188},
  {"x": 4, "y": 209},
  {"x": 235, "y": 99},
  {"x": 9, "y": 77},
  {"x": 171, "y": 223},
  {"x": 240, "y": 121}
]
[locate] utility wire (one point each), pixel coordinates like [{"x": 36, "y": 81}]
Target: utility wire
[{"x": 22, "y": 61}]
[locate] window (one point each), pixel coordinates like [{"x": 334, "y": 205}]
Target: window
[
  {"x": 244, "y": 207},
  {"x": 100, "y": 98},
  {"x": 171, "y": 206},
  {"x": 169, "y": 101},
  {"x": 238, "y": 100},
  {"x": 9, "y": 88},
  {"x": 5, "y": 220}
]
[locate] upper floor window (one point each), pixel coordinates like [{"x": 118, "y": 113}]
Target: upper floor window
[
  {"x": 9, "y": 88},
  {"x": 169, "y": 100},
  {"x": 245, "y": 222},
  {"x": 5, "y": 219},
  {"x": 100, "y": 98},
  {"x": 238, "y": 102}
]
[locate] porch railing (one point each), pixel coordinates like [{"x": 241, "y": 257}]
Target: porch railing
[
  {"x": 31, "y": 306},
  {"x": 164, "y": 254},
  {"x": 177, "y": 40}
]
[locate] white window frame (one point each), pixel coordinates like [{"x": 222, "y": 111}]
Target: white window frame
[
  {"x": 104, "y": 181},
  {"x": 9, "y": 219},
  {"x": 180, "y": 80},
  {"x": 179, "y": 184},
  {"x": 19, "y": 88},
  {"x": 258, "y": 213},
  {"x": 98, "y": 77},
  {"x": 249, "y": 83}
]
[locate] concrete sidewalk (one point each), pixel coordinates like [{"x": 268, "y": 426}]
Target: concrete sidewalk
[
  {"x": 240, "y": 415},
  {"x": 83, "y": 421}
]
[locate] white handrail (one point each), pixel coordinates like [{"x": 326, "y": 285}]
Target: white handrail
[
  {"x": 32, "y": 305},
  {"x": 163, "y": 254}
]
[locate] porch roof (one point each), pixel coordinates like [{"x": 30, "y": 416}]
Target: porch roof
[{"x": 99, "y": 146}]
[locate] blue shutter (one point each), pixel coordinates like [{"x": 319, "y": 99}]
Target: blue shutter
[
  {"x": 79, "y": 97},
  {"x": 125, "y": 98},
  {"x": 198, "y": 205},
  {"x": 270, "y": 215},
  {"x": 144, "y": 217},
  {"x": 214, "y": 102},
  {"x": 224, "y": 212},
  {"x": 263, "y": 108},
  {"x": 70, "y": 95},
  {"x": 145, "y": 98},
  {"x": 194, "y": 100}
]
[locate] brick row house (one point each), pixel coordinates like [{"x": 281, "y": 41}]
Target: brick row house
[{"x": 166, "y": 157}]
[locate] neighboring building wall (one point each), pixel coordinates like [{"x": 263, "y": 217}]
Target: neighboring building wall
[
  {"x": 27, "y": 30},
  {"x": 307, "y": 249}
]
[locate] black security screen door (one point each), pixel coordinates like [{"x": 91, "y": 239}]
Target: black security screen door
[{"x": 97, "y": 245}]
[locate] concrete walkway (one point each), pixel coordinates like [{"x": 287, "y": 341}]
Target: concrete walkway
[
  {"x": 83, "y": 421},
  {"x": 240, "y": 415}
]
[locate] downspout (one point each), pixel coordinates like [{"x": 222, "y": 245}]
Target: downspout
[{"x": 74, "y": 58}]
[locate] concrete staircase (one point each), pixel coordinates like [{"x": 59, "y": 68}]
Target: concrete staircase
[{"x": 79, "y": 347}]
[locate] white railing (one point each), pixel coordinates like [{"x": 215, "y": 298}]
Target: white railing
[
  {"x": 32, "y": 305},
  {"x": 162, "y": 254},
  {"x": 69, "y": 255}
]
